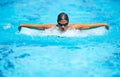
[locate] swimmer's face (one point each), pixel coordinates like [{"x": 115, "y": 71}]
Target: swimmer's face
[{"x": 63, "y": 25}]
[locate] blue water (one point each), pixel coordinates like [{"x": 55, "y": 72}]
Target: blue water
[{"x": 76, "y": 53}]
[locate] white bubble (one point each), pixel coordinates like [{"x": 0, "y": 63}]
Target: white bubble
[
  {"x": 7, "y": 26},
  {"x": 69, "y": 33}
]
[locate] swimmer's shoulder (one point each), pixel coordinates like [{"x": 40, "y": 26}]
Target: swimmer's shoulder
[
  {"x": 73, "y": 26},
  {"x": 48, "y": 25}
]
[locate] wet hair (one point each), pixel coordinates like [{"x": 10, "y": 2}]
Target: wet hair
[{"x": 63, "y": 16}]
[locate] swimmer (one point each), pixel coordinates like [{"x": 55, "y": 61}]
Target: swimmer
[{"x": 62, "y": 24}]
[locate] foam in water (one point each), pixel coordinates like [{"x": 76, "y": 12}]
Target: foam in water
[
  {"x": 69, "y": 33},
  {"x": 7, "y": 26}
]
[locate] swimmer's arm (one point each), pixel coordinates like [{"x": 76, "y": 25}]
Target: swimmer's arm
[
  {"x": 89, "y": 26},
  {"x": 36, "y": 26}
]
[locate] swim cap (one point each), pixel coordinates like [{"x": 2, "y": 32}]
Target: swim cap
[{"x": 63, "y": 16}]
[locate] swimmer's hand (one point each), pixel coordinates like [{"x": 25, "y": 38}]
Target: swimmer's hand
[
  {"x": 106, "y": 26},
  {"x": 19, "y": 28}
]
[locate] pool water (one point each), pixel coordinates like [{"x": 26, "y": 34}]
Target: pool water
[{"x": 49, "y": 53}]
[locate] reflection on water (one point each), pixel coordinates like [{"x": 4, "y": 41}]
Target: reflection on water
[{"x": 62, "y": 61}]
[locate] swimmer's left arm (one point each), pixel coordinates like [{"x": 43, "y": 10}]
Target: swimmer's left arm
[
  {"x": 89, "y": 26},
  {"x": 99, "y": 25}
]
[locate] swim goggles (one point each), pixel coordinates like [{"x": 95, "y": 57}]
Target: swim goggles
[{"x": 63, "y": 24}]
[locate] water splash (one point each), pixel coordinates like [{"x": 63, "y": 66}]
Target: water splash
[
  {"x": 7, "y": 26},
  {"x": 69, "y": 33}
]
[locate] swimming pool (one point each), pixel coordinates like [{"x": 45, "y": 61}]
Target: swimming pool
[{"x": 33, "y": 53}]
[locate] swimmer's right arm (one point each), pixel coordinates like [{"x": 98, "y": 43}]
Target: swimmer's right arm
[{"x": 36, "y": 26}]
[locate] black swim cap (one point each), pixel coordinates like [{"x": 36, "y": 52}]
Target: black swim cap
[{"x": 63, "y": 16}]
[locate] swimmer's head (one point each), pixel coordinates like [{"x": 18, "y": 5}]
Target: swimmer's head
[{"x": 63, "y": 19}]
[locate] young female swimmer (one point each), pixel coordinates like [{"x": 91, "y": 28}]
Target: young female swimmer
[{"x": 62, "y": 24}]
